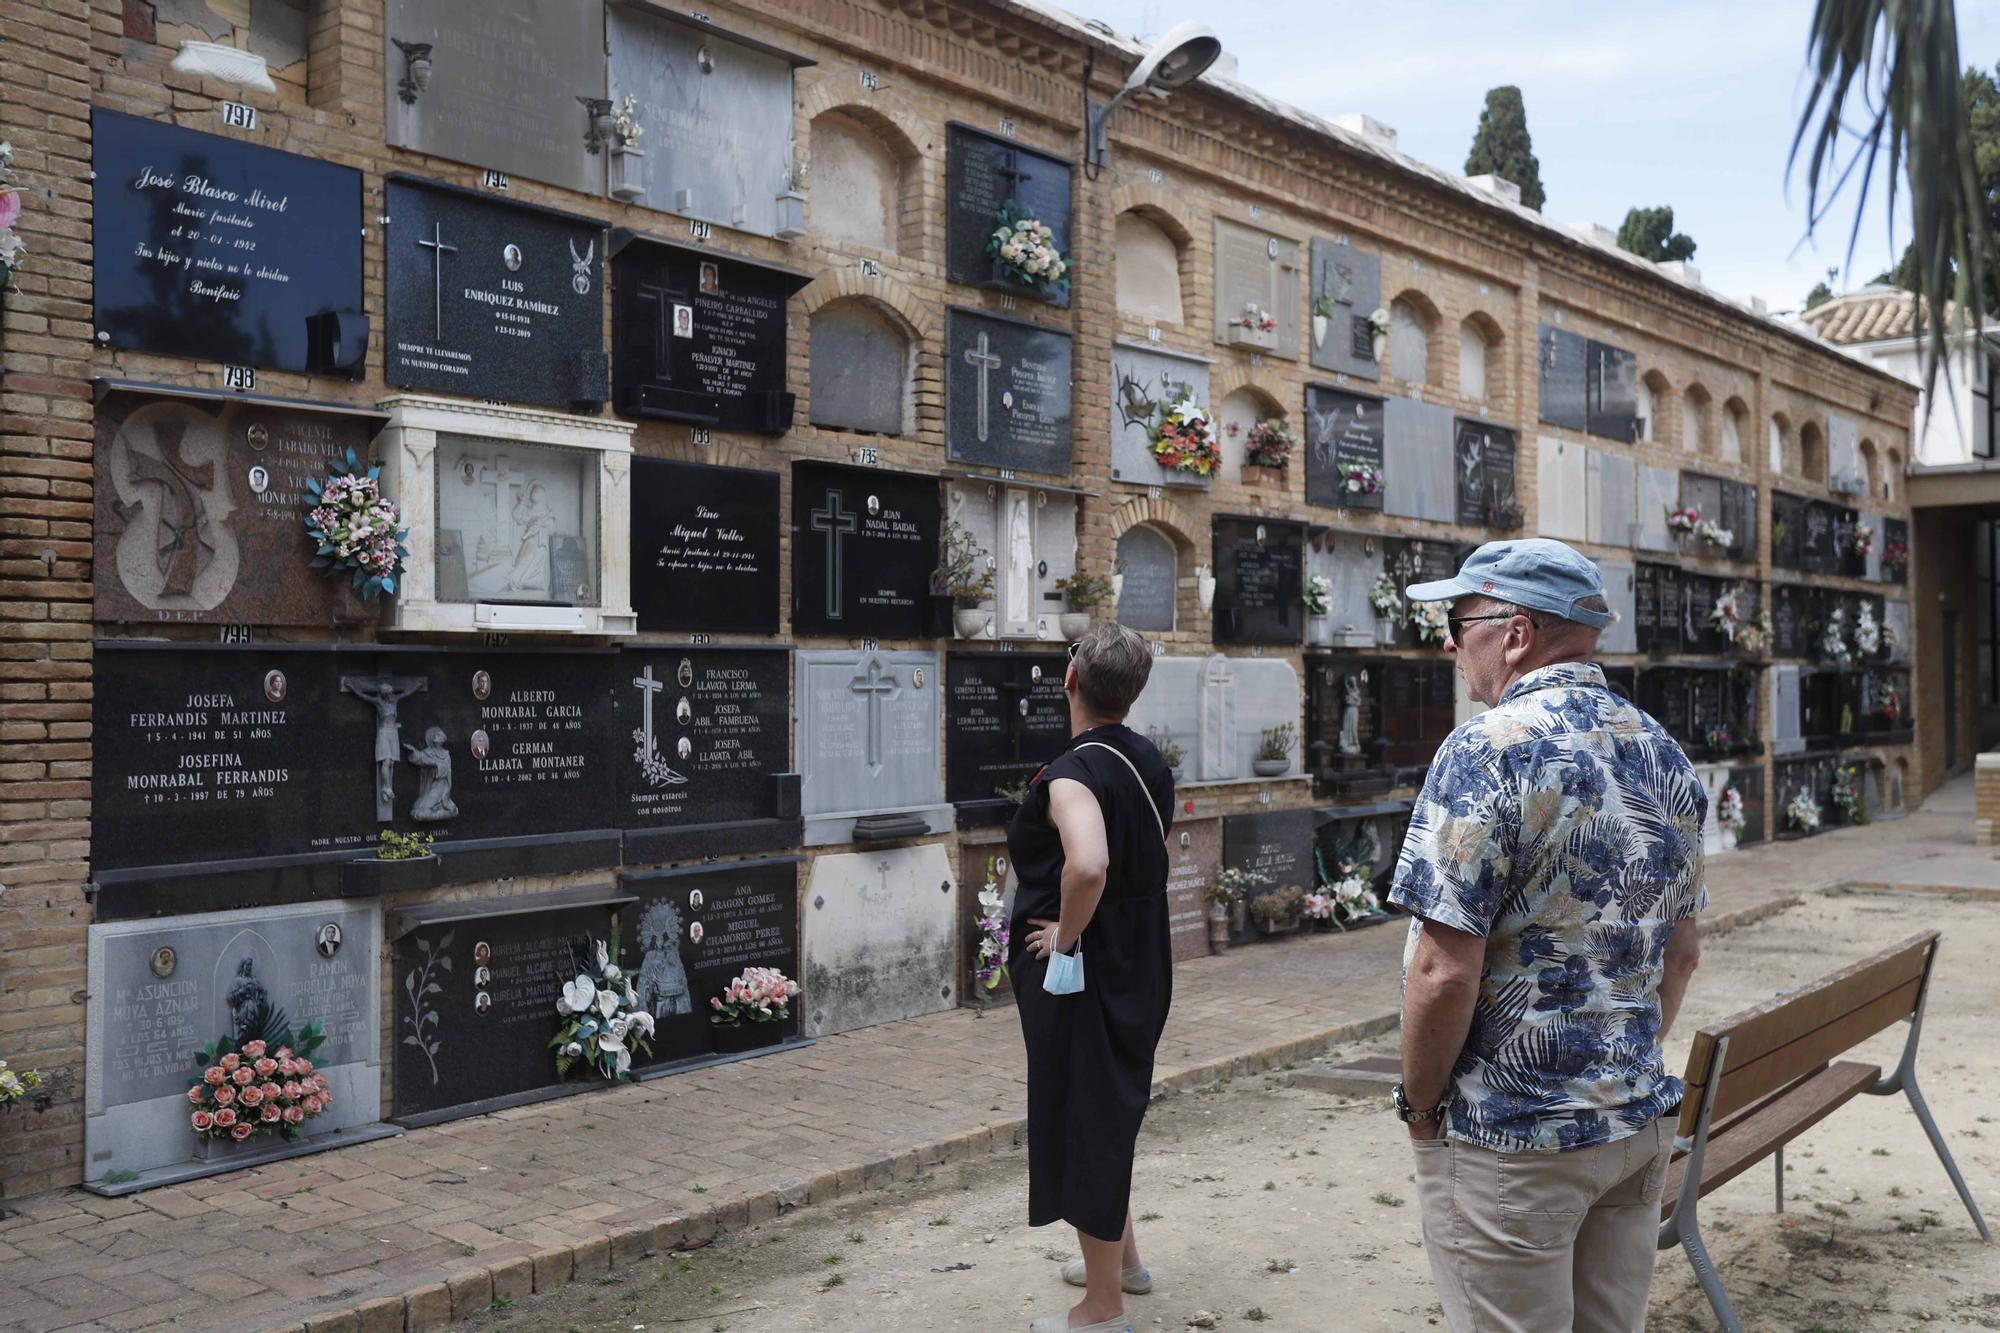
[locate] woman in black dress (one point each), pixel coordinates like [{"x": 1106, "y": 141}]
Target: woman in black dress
[{"x": 1089, "y": 849}]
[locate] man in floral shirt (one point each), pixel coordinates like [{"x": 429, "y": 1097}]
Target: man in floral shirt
[{"x": 1554, "y": 865}]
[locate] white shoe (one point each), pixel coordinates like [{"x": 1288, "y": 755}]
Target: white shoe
[
  {"x": 1059, "y": 1323},
  {"x": 1132, "y": 1281}
]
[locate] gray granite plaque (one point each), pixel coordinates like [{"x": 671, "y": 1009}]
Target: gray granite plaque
[
  {"x": 1844, "y": 474},
  {"x": 1144, "y": 381},
  {"x": 860, "y": 369},
  {"x": 1417, "y": 475},
  {"x": 1344, "y": 431},
  {"x": 1350, "y": 562},
  {"x": 1150, "y": 588},
  {"x": 1613, "y": 501},
  {"x": 869, "y": 728},
  {"x": 1621, "y": 635},
  {"x": 160, "y": 991},
  {"x": 879, "y": 938},
  {"x": 1346, "y": 290},
  {"x": 1214, "y": 707},
  {"x": 1659, "y": 491},
  {"x": 716, "y": 115},
  {"x": 1256, "y": 276},
  {"x": 1562, "y": 477},
  {"x": 1563, "y": 376},
  {"x": 1896, "y": 629},
  {"x": 496, "y": 83},
  {"x": 1007, "y": 393},
  {"x": 1786, "y": 737}
]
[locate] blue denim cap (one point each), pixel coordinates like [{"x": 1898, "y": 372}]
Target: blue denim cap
[{"x": 1533, "y": 572}]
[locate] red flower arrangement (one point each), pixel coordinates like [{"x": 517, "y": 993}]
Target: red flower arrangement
[
  {"x": 1182, "y": 442},
  {"x": 1896, "y": 557}
]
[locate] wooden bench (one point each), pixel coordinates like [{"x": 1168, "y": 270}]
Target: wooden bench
[{"x": 1762, "y": 1077}]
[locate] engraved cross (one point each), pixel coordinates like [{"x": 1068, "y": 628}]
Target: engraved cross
[
  {"x": 648, "y": 687},
  {"x": 835, "y": 524},
  {"x": 875, "y": 685},
  {"x": 438, "y": 250},
  {"x": 987, "y": 361}
]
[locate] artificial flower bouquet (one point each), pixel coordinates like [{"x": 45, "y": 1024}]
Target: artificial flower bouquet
[
  {"x": 1184, "y": 440},
  {"x": 1361, "y": 479},
  {"x": 991, "y": 967},
  {"x": 353, "y": 526},
  {"x": 1896, "y": 557},
  {"x": 1682, "y": 521},
  {"x": 1847, "y": 797},
  {"x": 1802, "y": 812},
  {"x": 14, "y": 1086},
  {"x": 756, "y": 995},
  {"x": 258, "y": 1087},
  {"x": 1318, "y": 594},
  {"x": 1710, "y": 533},
  {"x": 1270, "y": 444},
  {"x": 1730, "y": 812},
  {"x": 1255, "y": 318},
  {"x": 1025, "y": 247},
  {"x": 1385, "y": 597},
  {"x": 603, "y": 1026},
  {"x": 1430, "y": 621}
]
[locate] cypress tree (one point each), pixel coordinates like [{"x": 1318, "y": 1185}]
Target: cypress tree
[{"x": 1501, "y": 146}]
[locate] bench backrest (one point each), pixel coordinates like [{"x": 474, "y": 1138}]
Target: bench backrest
[{"x": 1790, "y": 1036}]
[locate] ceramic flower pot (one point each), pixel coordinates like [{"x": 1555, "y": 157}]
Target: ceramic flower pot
[
  {"x": 1273, "y": 929},
  {"x": 626, "y": 169},
  {"x": 1269, "y": 768},
  {"x": 1319, "y": 330},
  {"x": 791, "y": 215},
  {"x": 1074, "y": 625},
  {"x": 1218, "y": 928},
  {"x": 1385, "y": 631},
  {"x": 1378, "y": 345},
  {"x": 970, "y": 622},
  {"x": 1264, "y": 340}
]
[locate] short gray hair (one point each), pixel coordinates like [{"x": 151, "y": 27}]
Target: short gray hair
[
  {"x": 1112, "y": 665},
  {"x": 1545, "y": 620}
]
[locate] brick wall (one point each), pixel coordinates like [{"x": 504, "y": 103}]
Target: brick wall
[{"x": 1200, "y": 156}]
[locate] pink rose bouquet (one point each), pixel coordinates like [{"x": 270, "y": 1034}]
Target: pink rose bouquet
[
  {"x": 231, "y": 1103},
  {"x": 757, "y": 995}
]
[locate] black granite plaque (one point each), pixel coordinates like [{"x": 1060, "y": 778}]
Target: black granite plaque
[
  {"x": 1645, "y": 607},
  {"x": 1418, "y": 707},
  {"x": 1699, "y": 633},
  {"x": 1564, "y": 375},
  {"x": 1259, "y": 581},
  {"x": 1848, "y": 561},
  {"x": 704, "y": 547},
  {"x": 1402, "y": 710},
  {"x": 705, "y": 754},
  {"x": 1278, "y": 845},
  {"x": 864, "y": 546},
  {"x": 1895, "y": 533},
  {"x": 475, "y": 1002},
  {"x": 690, "y": 934},
  {"x": 1703, "y": 494},
  {"x": 983, "y": 172},
  {"x": 1007, "y": 393},
  {"x": 1819, "y": 550},
  {"x": 1787, "y": 621},
  {"x": 1670, "y": 627},
  {"x": 1483, "y": 473},
  {"x": 1409, "y": 561},
  {"x": 1343, "y": 430},
  {"x": 491, "y": 299},
  {"x": 1749, "y": 782},
  {"x": 1788, "y": 531},
  {"x": 220, "y": 250},
  {"x": 1614, "y": 392},
  {"x": 1005, "y": 716},
  {"x": 700, "y": 335}
]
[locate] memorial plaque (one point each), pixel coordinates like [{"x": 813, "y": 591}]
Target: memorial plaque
[
  {"x": 516, "y": 522},
  {"x": 1418, "y": 710},
  {"x": 1027, "y": 537},
  {"x": 1844, "y": 473},
  {"x": 1150, "y": 594},
  {"x": 1352, "y": 561},
  {"x": 700, "y": 335},
  {"x": 1343, "y": 430},
  {"x": 1788, "y": 531},
  {"x": 200, "y": 505},
  {"x": 1419, "y": 471},
  {"x": 1562, "y": 497},
  {"x": 494, "y": 83},
  {"x": 1895, "y": 532},
  {"x": 1005, "y": 716},
  {"x": 1620, "y": 590},
  {"x": 1659, "y": 493},
  {"x": 1819, "y": 550},
  {"x": 475, "y": 986},
  {"x": 706, "y": 755},
  {"x": 1007, "y": 393},
  {"x": 1259, "y": 581},
  {"x": 160, "y": 991},
  {"x": 1848, "y": 561},
  {"x": 1739, "y": 515},
  {"x": 1645, "y": 608},
  {"x": 704, "y": 547},
  {"x": 1483, "y": 467},
  {"x": 1703, "y": 494},
  {"x": 1612, "y": 504},
  {"x": 1749, "y": 782},
  {"x": 868, "y": 729},
  {"x": 1563, "y": 373},
  {"x": 1370, "y": 721},
  {"x": 693, "y": 931},
  {"x": 879, "y": 938},
  {"x": 1257, "y": 274},
  {"x": 1409, "y": 561},
  {"x": 1194, "y": 854},
  {"x": 1278, "y": 845},
  {"x": 491, "y": 299},
  {"x": 1145, "y": 381},
  {"x": 1346, "y": 290},
  {"x": 1789, "y": 620},
  {"x": 983, "y": 173},
  {"x": 716, "y": 116},
  {"x": 1367, "y": 838},
  {"x": 1214, "y": 708},
  {"x": 218, "y": 250},
  {"x": 1614, "y": 392},
  {"x": 1896, "y": 631},
  {"x": 864, "y": 546}
]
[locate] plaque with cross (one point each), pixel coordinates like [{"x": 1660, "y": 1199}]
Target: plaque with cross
[
  {"x": 984, "y": 173},
  {"x": 864, "y": 545},
  {"x": 869, "y": 738},
  {"x": 1007, "y": 393}
]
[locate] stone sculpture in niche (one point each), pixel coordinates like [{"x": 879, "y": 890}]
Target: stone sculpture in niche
[
  {"x": 663, "y": 983},
  {"x": 434, "y": 794},
  {"x": 385, "y": 692},
  {"x": 1350, "y": 713},
  {"x": 249, "y": 1003}
]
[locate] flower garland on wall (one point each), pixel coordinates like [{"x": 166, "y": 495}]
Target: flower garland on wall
[
  {"x": 1025, "y": 247},
  {"x": 1184, "y": 441},
  {"x": 603, "y": 1026},
  {"x": 354, "y": 527},
  {"x": 1270, "y": 444}
]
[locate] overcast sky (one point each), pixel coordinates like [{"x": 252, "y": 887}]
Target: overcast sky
[{"x": 1691, "y": 103}]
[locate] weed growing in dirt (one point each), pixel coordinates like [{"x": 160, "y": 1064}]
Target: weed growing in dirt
[
  {"x": 1387, "y": 1200},
  {"x": 1255, "y": 1314},
  {"x": 832, "y": 1258},
  {"x": 941, "y": 1221},
  {"x": 1922, "y": 1222},
  {"x": 832, "y": 1280},
  {"x": 854, "y": 1238},
  {"x": 1280, "y": 1266},
  {"x": 1150, "y": 1216}
]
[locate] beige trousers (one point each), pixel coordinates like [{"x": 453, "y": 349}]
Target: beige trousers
[{"x": 1544, "y": 1242}]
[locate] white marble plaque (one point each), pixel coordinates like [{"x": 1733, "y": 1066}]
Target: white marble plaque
[
  {"x": 869, "y": 728},
  {"x": 1659, "y": 491},
  {"x": 1844, "y": 473},
  {"x": 1244, "y": 696},
  {"x": 1417, "y": 476},
  {"x": 1622, "y": 634},
  {"x": 1613, "y": 499},
  {"x": 1256, "y": 269},
  {"x": 1562, "y": 486},
  {"x": 1350, "y": 561},
  {"x": 1785, "y": 734},
  {"x": 1029, "y": 536},
  {"x": 1144, "y": 380},
  {"x": 879, "y": 937}
]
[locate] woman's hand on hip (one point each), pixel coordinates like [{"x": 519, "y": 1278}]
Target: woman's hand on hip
[{"x": 1042, "y": 940}]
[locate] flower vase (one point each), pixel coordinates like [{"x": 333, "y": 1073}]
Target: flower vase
[
  {"x": 1270, "y": 768},
  {"x": 626, "y": 167},
  {"x": 1385, "y": 631},
  {"x": 1319, "y": 629},
  {"x": 1074, "y": 625},
  {"x": 1377, "y": 345},
  {"x": 791, "y": 215},
  {"x": 1117, "y": 588},
  {"x": 1218, "y": 928},
  {"x": 970, "y": 622},
  {"x": 736, "y": 1038},
  {"x": 1273, "y": 929},
  {"x": 228, "y": 1150},
  {"x": 1204, "y": 586},
  {"x": 1319, "y": 330}
]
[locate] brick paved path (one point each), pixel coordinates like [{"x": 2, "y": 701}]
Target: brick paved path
[{"x": 402, "y": 1233}]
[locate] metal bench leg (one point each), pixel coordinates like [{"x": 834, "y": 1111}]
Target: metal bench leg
[
  {"x": 1779, "y": 1158},
  {"x": 1704, "y": 1271},
  {"x": 1916, "y": 1097},
  {"x": 1684, "y": 1227}
]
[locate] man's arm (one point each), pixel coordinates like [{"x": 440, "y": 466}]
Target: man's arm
[
  {"x": 1086, "y": 857},
  {"x": 1439, "y": 996},
  {"x": 1683, "y": 956}
]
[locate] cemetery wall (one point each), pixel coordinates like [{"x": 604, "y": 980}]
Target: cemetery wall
[{"x": 1204, "y": 170}]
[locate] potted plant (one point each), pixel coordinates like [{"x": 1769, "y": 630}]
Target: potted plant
[
  {"x": 965, "y": 575},
  {"x": 1170, "y": 752},
  {"x": 263, "y": 1083},
  {"x": 1254, "y": 327},
  {"x": 1267, "y": 452},
  {"x": 402, "y": 861},
  {"x": 1324, "y": 309},
  {"x": 1378, "y": 333},
  {"x": 1274, "y": 750},
  {"x": 752, "y": 1010},
  {"x": 626, "y": 155},
  {"x": 1387, "y": 600},
  {"x": 1225, "y": 903},
  {"x": 989, "y": 969},
  {"x": 1081, "y": 593},
  {"x": 603, "y": 1027},
  {"x": 792, "y": 200},
  {"x": 1277, "y": 912}
]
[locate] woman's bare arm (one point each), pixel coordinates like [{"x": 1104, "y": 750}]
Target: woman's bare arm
[{"x": 1086, "y": 857}]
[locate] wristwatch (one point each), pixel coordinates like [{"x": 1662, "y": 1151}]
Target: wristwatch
[{"x": 1409, "y": 1114}]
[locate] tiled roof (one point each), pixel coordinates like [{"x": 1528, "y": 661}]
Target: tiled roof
[{"x": 1872, "y": 314}]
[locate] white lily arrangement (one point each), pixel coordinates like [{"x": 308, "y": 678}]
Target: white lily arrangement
[
  {"x": 1354, "y": 899},
  {"x": 1386, "y": 598},
  {"x": 1803, "y": 812},
  {"x": 1867, "y": 631},
  {"x": 1834, "y": 648},
  {"x": 1318, "y": 594},
  {"x": 603, "y": 1026}
]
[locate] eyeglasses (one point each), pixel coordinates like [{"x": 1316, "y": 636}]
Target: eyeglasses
[
  {"x": 1454, "y": 624},
  {"x": 1072, "y": 649}
]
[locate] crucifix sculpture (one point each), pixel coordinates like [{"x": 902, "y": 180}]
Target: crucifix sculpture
[
  {"x": 385, "y": 692},
  {"x": 438, "y": 250},
  {"x": 986, "y": 361},
  {"x": 875, "y": 685},
  {"x": 835, "y": 524}
]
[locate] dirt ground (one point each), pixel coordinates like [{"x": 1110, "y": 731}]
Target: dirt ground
[{"x": 1268, "y": 1204}]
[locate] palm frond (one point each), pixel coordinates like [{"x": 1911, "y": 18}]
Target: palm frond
[{"x": 1896, "y": 63}]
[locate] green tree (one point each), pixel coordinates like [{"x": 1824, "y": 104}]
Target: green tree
[
  {"x": 1887, "y": 78},
  {"x": 1649, "y": 233},
  {"x": 1822, "y": 291},
  {"x": 1981, "y": 95},
  {"x": 1502, "y": 147}
]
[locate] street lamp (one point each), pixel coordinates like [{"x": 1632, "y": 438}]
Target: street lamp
[{"x": 1172, "y": 63}]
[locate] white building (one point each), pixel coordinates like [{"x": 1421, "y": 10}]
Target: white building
[{"x": 1880, "y": 324}]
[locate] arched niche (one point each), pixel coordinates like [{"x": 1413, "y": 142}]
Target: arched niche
[
  {"x": 1479, "y": 372},
  {"x": 1734, "y": 414},
  {"x": 1812, "y": 453},
  {"x": 1149, "y": 565},
  {"x": 1412, "y": 321},
  {"x": 1779, "y": 442},
  {"x": 1871, "y": 469},
  {"x": 1653, "y": 392},
  {"x": 1892, "y": 472},
  {"x": 1149, "y": 269},
  {"x": 857, "y": 183},
  {"x": 861, "y": 368},
  {"x": 1694, "y": 421},
  {"x": 1235, "y": 415}
]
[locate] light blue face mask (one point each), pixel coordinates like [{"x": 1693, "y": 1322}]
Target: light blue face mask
[{"x": 1065, "y": 973}]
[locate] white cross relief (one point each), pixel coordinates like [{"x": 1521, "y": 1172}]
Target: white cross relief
[
  {"x": 504, "y": 480},
  {"x": 648, "y": 687},
  {"x": 875, "y": 685},
  {"x": 986, "y": 361}
]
